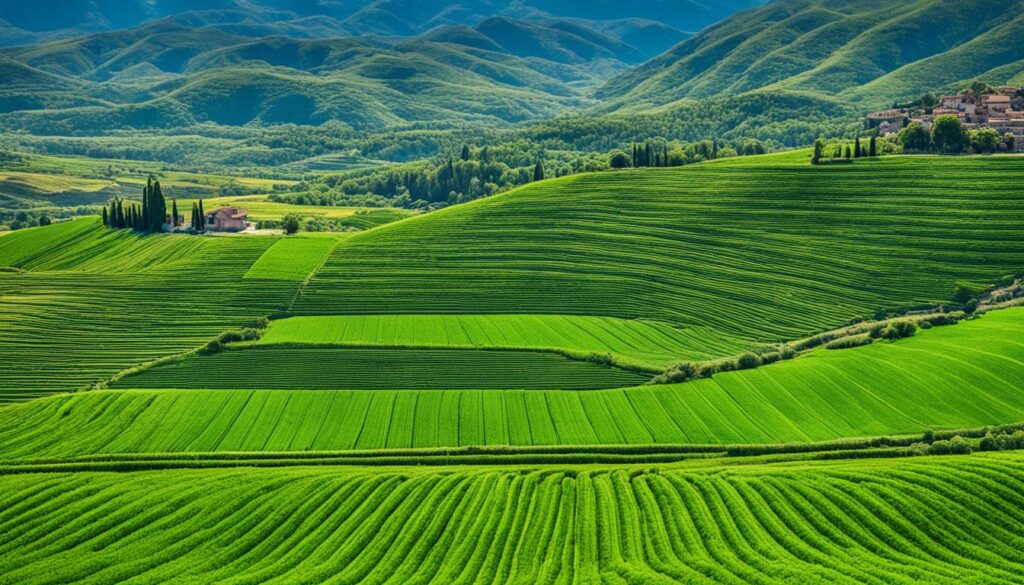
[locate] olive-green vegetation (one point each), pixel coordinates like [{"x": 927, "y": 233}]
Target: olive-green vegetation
[
  {"x": 748, "y": 246},
  {"x": 966, "y": 375},
  {"x": 335, "y": 369},
  {"x": 934, "y": 519},
  {"x": 646, "y": 342}
]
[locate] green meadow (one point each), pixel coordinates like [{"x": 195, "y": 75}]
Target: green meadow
[{"x": 465, "y": 396}]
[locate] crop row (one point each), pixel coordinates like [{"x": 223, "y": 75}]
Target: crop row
[
  {"x": 932, "y": 520},
  {"x": 764, "y": 253},
  {"x": 94, "y": 301},
  {"x": 967, "y": 375},
  {"x": 400, "y": 369},
  {"x": 643, "y": 341}
]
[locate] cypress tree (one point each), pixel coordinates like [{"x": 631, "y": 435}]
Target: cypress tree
[
  {"x": 120, "y": 215},
  {"x": 202, "y": 214},
  {"x": 538, "y": 172},
  {"x": 847, "y": 152},
  {"x": 157, "y": 208},
  {"x": 857, "y": 152},
  {"x": 465, "y": 152},
  {"x": 874, "y": 146},
  {"x": 105, "y": 222},
  {"x": 174, "y": 213},
  {"x": 195, "y": 214},
  {"x": 146, "y": 194}
]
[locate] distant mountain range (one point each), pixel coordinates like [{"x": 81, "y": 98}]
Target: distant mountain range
[
  {"x": 403, "y": 64},
  {"x": 658, "y": 20},
  {"x": 865, "y": 53}
]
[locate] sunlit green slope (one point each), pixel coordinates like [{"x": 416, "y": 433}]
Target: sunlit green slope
[{"x": 759, "y": 248}]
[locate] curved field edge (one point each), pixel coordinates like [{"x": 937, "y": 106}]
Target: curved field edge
[
  {"x": 961, "y": 376},
  {"x": 936, "y": 520},
  {"x": 644, "y": 343}
]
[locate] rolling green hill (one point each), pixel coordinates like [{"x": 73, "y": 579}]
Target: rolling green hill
[
  {"x": 866, "y": 53},
  {"x": 762, "y": 248},
  {"x": 431, "y": 402}
]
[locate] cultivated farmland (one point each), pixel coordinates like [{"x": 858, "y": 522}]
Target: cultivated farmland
[
  {"x": 646, "y": 342},
  {"x": 967, "y": 375},
  {"x": 936, "y": 520},
  {"x": 463, "y": 396},
  {"x": 756, "y": 250}
]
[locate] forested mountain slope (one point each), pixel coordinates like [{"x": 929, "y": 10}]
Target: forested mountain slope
[{"x": 864, "y": 52}]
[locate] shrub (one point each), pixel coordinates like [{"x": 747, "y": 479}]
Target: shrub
[
  {"x": 747, "y": 361},
  {"x": 940, "y": 448},
  {"x": 680, "y": 372},
  {"x": 960, "y": 446},
  {"x": 604, "y": 359},
  {"x": 851, "y": 341},
  {"x": 893, "y": 330}
]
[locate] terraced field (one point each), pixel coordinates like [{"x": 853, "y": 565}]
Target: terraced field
[
  {"x": 753, "y": 249},
  {"x": 646, "y": 342},
  {"x": 934, "y": 520},
  {"x": 339, "y": 369},
  {"x": 92, "y": 302},
  {"x": 967, "y": 375}
]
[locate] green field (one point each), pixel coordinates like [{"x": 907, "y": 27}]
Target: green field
[
  {"x": 967, "y": 375},
  {"x": 340, "y": 369},
  {"x": 292, "y": 259},
  {"x": 92, "y": 302},
  {"x": 936, "y": 520},
  {"x": 752, "y": 249},
  {"x": 461, "y": 397},
  {"x": 646, "y": 342}
]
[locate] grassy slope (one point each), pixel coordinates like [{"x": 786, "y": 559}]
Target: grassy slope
[
  {"x": 292, "y": 259},
  {"x": 935, "y": 520},
  {"x": 967, "y": 375},
  {"x": 752, "y": 248},
  {"x": 94, "y": 301},
  {"x": 646, "y": 342}
]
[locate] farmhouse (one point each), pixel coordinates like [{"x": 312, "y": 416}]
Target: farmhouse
[{"x": 228, "y": 219}]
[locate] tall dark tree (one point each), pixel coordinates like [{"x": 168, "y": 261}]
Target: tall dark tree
[
  {"x": 465, "y": 152},
  {"x": 105, "y": 220},
  {"x": 857, "y": 153},
  {"x": 157, "y": 215},
  {"x": 847, "y": 152},
  {"x": 121, "y": 220},
  {"x": 818, "y": 146},
  {"x": 146, "y": 195},
  {"x": 538, "y": 172},
  {"x": 174, "y": 213},
  {"x": 873, "y": 147},
  {"x": 202, "y": 216},
  {"x": 194, "y": 223}
]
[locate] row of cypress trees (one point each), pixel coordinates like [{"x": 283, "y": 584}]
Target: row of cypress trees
[{"x": 149, "y": 217}]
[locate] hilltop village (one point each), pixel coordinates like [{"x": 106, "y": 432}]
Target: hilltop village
[{"x": 1000, "y": 109}]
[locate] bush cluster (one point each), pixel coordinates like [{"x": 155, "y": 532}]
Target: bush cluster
[
  {"x": 851, "y": 341},
  {"x": 893, "y": 330}
]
